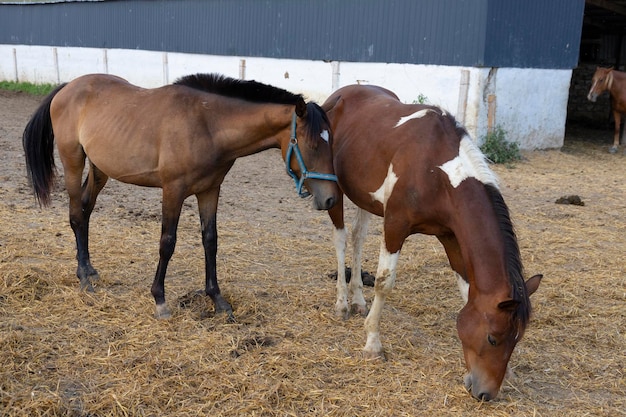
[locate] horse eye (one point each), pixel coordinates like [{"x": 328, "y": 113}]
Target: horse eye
[{"x": 491, "y": 340}]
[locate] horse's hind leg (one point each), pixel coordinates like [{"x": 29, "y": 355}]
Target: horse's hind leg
[
  {"x": 82, "y": 202},
  {"x": 339, "y": 239},
  {"x": 359, "y": 233}
]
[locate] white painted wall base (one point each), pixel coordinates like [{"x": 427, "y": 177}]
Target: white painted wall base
[{"x": 530, "y": 104}]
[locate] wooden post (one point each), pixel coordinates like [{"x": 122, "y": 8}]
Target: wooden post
[
  {"x": 242, "y": 69},
  {"x": 491, "y": 112},
  {"x": 463, "y": 90}
]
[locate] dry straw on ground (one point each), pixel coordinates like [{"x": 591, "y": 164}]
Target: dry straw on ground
[{"x": 65, "y": 352}]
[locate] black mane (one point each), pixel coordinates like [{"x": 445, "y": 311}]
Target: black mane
[
  {"x": 246, "y": 90},
  {"x": 513, "y": 257},
  {"x": 254, "y": 91}
]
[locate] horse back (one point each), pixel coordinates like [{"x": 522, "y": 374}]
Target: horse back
[{"x": 375, "y": 136}]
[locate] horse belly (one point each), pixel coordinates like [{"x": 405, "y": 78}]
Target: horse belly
[{"x": 125, "y": 161}]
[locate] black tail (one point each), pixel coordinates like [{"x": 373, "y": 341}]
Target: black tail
[{"x": 38, "y": 142}]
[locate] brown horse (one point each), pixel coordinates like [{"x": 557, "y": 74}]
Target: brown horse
[
  {"x": 417, "y": 168},
  {"x": 183, "y": 138},
  {"x": 608, "y": 79}
]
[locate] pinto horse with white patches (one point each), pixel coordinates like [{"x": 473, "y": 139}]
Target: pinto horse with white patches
[
  {"x": 608, "y": 79},
  {"x": 417, "y": 168}
]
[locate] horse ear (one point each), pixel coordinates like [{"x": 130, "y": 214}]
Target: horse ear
[
  {"x": 533, "y": 283},
  {"x": 301, "y": 108},
  {"x": 328, "y": 106},
  {"x": 508, "y": 305}
]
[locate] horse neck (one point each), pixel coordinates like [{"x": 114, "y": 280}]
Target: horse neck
[
  {"x": 259, "y": 127},
  {"x": 482, "y": 242}
]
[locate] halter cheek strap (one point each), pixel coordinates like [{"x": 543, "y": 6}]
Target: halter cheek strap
[{"x": 294, "y": 150}]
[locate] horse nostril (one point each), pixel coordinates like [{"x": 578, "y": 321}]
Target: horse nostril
[
  {"x": 483, "y": 396},
  {"x": 330, "y": 202}
]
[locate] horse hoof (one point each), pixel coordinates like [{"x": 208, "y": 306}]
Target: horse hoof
[
  {"x": 162, "y": 312},
  {"x": 374, "y": 355},
  {"x": 342, "y": 314},
  {"x": 85, "y": 285},
  {"x": 361, "y": 310},
  {"x": 231, "y": 317},
  {"x": 613, "y": 150}
]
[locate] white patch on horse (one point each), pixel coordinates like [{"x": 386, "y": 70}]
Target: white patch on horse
[
  {"x": 339, "y": 239},
  {"x": 417, "y": 115},
  {"x": 463, "y": 287},
  {"x": 470, "y": 163},
  {"x": 324, "y": 135},
  {"x": 384, "y": 192}
]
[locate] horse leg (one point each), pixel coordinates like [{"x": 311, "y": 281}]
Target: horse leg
[
  {"x": 171, "y": 208},
  {"x": 82, "y": 202},
  {"x": 339, "y": 239},
  {"x": 385, "y": 281},
  {"x": 359, "y": 233},
  {"x": 207, "y": 206},
  {"x": 616, "y": 134}
]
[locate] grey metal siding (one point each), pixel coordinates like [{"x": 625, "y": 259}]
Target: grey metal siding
[
  {"x": 534, "y": 33},
  {"x": 442, "y": 32}
]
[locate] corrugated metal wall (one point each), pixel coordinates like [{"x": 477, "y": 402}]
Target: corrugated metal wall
[
  {"x": 534, "y": 33},
  {"x": 443, "y": 32}
]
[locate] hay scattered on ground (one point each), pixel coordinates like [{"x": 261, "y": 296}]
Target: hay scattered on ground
[{"x": 66, "y": 352}]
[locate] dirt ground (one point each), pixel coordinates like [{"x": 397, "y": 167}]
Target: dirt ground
[{"x": 66, "y": 352}]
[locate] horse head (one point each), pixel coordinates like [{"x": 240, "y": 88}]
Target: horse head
[
  {"x": 489, "y": 329},
  {"x": 309, "y": 157},
  {"x": 600, "y": 82}
]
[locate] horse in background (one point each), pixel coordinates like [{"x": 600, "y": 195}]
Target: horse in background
[
  {"x": 613, "y": 81},
  {"x": 182, "y": 138},
  {"x": 417, "y": 168}
]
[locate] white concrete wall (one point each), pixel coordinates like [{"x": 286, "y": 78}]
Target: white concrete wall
[{"x": 530, "y": 104}]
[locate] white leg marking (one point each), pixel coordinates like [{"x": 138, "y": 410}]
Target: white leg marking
[
  {"x": 384, "y": 191},
  {"x": 417, "y": 115},
  {"x": 470, "y": 163},
  {"x": 339, "y": 239},
  {"x": 463, "y": 287},
  {"x": 385, "y": 280},
  {"x": 359, "y": 233}
]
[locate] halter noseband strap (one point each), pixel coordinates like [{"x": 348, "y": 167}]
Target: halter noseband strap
[{"x": 293, "y": 149}]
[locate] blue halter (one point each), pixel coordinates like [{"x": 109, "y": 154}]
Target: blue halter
[{"x": 293, "y": 149}]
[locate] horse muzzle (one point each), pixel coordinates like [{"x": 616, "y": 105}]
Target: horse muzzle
[
  {"x": 478, "y": 389},
  {"x": 592, "y": 97},
  {"x": 324, "y": 197}
]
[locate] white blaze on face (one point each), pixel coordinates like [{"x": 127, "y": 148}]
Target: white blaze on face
[
  {"x": 324, "y": 135},
  {"x": 384, "y": 192},
  {"x": 470, "y": 163},
  {"x": 417, "y": 115}
]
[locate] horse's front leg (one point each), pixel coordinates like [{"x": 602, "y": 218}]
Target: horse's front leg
[
  {"x": 359, "y": 233},
  {"x": 385, "y": 281},
  {"x": 171, "y": 208},
  {"x": 617, "y": 116},
  {"x": 207, "y": 205}
]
